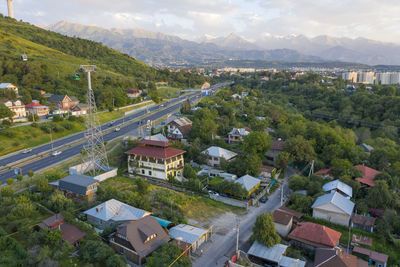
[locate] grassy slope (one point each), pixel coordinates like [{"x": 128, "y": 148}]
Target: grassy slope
[{"x": 53, "y": 48}]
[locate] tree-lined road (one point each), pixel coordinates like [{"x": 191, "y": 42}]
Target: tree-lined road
[{"x": 41, "y": 163}]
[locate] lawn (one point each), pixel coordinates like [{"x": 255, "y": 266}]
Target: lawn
[
  {"x": 193, "y": 206},
  {"x": 168, "y": 92},
  {"x": 116, "y": 114},
  {"x": 13, "y": 139}
]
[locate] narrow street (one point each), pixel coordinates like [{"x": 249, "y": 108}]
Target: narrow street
[{"x": 222, "y": 247}]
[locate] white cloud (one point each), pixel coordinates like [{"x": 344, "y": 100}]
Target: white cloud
[{"x": 375, "y": 19}]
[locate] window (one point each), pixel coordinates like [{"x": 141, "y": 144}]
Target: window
[
  {"x": 150, "y": 238},
  {"x": 121, "y": 251},
  {"x": 149, "y": 172},
  {"x": 142, "y": 171}
]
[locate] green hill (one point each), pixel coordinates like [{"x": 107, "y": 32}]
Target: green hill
[{"x": 53, "y": 58}]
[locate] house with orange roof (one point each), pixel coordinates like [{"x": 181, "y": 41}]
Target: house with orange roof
[
  {"x": 368, "y": 175},
  {"x": 311, "y": 236}
]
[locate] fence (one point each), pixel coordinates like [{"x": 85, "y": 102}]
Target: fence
[{"x": 231, "y": 201}]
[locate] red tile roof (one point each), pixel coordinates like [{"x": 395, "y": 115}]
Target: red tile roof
[
  {"x": 155, "y": 143},
  {"x": 372, "y": 254},
  {"x": 34, "y": 104},
  {"x": 323, "y": 172},
  {"x": 155, "y": 152},
  {"x": 315, "y": 235},
  {"x": 368, "y": 175},
  {"x": 267, "y": 168},
  {"x": 71, "y": 233}
]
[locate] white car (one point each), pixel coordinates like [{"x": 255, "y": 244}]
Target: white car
[
  {"x": 117, "y": 129},
  {"x": 26, "y": 150},
  {"x": 56, "y": 153}
]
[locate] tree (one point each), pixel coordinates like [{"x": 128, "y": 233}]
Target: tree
[
  {"x": 30, "y": 173},
  {"x": 165, "y": 255},
  {"x": 20, "y": 177},
  {"x": 341, "y": 167},
  {"x": 5, "y": 112},
  {"x": 53, "y": 238},
  {"x": 256, "y": 143},
  {"x": 284, "y": 159},
  {"x": 297, "y": 182},
  {"x": 300, "y": 149},
  {"x": 301, "y": 203},
  {"x": 10, "y": 181},
  {"x": 115, "y": 261},
  {"x": 264, "y": 231},
  {"x": 95, "y": 252},
  {"x": 379, "y": 196},
  {"x": 58, "y": 202}
]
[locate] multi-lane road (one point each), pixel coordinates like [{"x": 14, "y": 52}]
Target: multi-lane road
[{"x": 131, "y": 123}]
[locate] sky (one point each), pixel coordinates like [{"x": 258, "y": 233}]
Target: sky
[{"x": 251, "y": 19}]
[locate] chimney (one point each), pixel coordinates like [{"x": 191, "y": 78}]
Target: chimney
[{"x": 10, "y": 9}]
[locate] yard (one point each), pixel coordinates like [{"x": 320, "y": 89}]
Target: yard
[{"x": 192, "y": 206}]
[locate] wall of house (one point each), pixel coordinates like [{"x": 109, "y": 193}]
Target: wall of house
[
  {"x": 282, "y": 229},
  {"x": 155, "y": 169},
  {"x": 213, "y": 161},
  {"x": 334, "y": 217},
  {"x": 129, "y": 254}
]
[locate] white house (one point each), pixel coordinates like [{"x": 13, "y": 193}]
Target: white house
[
  {"x": 340, "y": 187},
  {"x": 237, "y": 135},
  {"x": 9, "y": 86},
  {"x": 333, "y": 207},
  {"x": 215, "y": 154},
  {"x": 17, "y": 107},
  {"x": 190, "y": 235},
  {"x": 179, "y": 128},
  {"x": 112, "y": 212},
  {"x": 249, "y": 183}
]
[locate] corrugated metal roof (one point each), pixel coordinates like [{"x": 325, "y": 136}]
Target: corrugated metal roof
[
  {"x": 336, "y": 184},
  {"x": 291, "y": 262},
  {"x": 239, "y": 131},
  {"x": 219, "y": 152},
  {"x": 162, "y": 222},
  {"x": 273, "y": 253},
  {"x": 76, "y": 183},
  {"x": 117, "y": 211},
  {"x": 4, "y": 85},
  {"x": 248, "y": 182},
  {"x": 336, "y": 199},
  {"x": 186, "y": 233}
]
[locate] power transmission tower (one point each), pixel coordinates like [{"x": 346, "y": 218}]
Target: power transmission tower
[{"x": 94, "y": 157}]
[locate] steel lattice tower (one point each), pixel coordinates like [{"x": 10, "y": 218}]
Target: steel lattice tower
[{"x": 94, "y": 156}]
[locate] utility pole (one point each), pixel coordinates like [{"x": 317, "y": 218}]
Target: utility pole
[
  {"x": 237, "y": 236},
  {"x": 311, "y": 169},
  {"x": 282, "y": 194}
]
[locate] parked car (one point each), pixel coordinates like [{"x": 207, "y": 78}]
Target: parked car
[
  {"x": 224, "y": 195},
  {"x": 26, "y": 150},
  {"x": 56, "y": 153},
  {"x": 263, "y": 199},
  {"x": 213, "y": 192},
  {"x": 117, "y": 129}
]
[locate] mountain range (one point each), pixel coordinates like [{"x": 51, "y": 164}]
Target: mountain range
[{"x": 157, "y": 48}]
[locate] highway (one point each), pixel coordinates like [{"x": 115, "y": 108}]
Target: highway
[{"x": 48, "y": 160}]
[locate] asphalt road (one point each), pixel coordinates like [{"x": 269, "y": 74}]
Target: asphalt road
[
  {"x": 46, "y": 161},
  {"x": 223, "y": 247}
]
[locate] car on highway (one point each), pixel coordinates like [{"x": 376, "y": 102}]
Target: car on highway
[
  {"x": 56, "y": 153},
  {"x": 263, "y": 199},
  {"x": 117, "y": 129},
  {"x": 162, "y": 105},
  {"x": 26, "y": 150},
  {"x": 110, "y": 124}
]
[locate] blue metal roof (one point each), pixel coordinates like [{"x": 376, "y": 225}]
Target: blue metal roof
[{"x": 162, "y": 222}]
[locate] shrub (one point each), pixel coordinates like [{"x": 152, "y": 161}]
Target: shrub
[
  {"x": 6, "y": 123},
  {"x": 34, "y": 124},
  {"x": 58, "y": 129},
  {"x": 30, "y": 173},
  {"x": 8, "y": 133},
  {"x": 20, "y": 177},
  {"x": 15, "y": 144},
  {"x": 69, "y": 126},
  {"x": 10, "y": 181},
  {"x": 57, "y": 118}
]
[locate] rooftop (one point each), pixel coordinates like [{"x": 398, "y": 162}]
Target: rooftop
[
  {"x": 239, "y": 131},
  {"x": 183, "y": 121},
  {"x": 281, "y": 217},
  {"x": 79, "y": 179},
  {"x": 219, "y": 152},
  {"x": 71, "y": 233},
  {"x": 325, "y": 257},
  {"x": 155, "y": 152},
  {"x": 157, "y": 143},
  {"x": 336, "y": 199},
  {"x": 361, "y": 240},
  {"x": 52, "y": 221},
  {"x": 372, "y": 254},
  {"x": 117, "y": 211},
  {"x": 273, "y": 253},
  {"x": 316, "y": 234},
  {"x": 248, "y": 182},
  {"x": 323, "y": 172},
  {"x": 186, "y": 233},
  {"x": 363, "y": 220},
  {"x": 368, "y": 175},
  {"x": 336, "y": 184},
  {"x": 294, "y": 213}
]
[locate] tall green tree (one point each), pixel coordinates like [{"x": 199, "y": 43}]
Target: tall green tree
[
  {"x": 256, "y": 142},
  {"x": 300, "y": 149},
  {"x": 165, "y": 255},
  {"x": 264, "y": 231}
]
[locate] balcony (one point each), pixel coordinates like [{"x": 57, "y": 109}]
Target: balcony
[{"x": 178, "y": 167}]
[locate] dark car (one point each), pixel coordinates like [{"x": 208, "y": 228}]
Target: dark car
[{"x": 263, "y": 199}]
